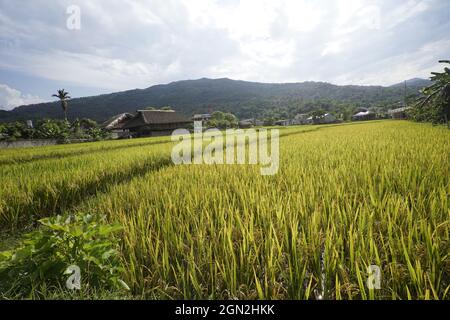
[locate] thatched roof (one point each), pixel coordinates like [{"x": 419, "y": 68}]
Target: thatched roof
[
  {"x": 155, "y": 117},
  {"x": 116, "y": 121}
]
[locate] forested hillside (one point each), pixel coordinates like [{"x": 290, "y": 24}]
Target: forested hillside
[{"x": 245, "y": 99}]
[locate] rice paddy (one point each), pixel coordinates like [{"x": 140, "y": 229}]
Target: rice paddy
[{"x": 345, "y": 197}]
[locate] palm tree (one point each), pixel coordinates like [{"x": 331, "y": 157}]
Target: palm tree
[
  {"x": 63, "y": 96},
  {"x": 437, "y": 96}
]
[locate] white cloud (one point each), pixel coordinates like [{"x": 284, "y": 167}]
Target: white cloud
[
  {"x": 334, "y": 47},
  {"x": 400, "y": 67},
  {"x": 11, "y": 98},
  {"x": 406, "y": 11},
  {"x": 126, "y": 44}
]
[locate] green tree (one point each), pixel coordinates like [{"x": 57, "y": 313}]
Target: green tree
[
  {"x": 317, "y": 114},
  {"x": 76, "y": 127},
  {"x": 231, "y": 120},
  {"x": 53, "y": 129},
  {"x": 223, "y": 120},
  {"x": 217, "y": 115},
  {"x": 63, "y": 96},
  {"x": 87, "y": 123},
  {"x": 434, "y": 105},
  {"x": 347, "y": 112}
]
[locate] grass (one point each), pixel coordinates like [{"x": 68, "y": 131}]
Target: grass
[{"x": 345, "y": 197}]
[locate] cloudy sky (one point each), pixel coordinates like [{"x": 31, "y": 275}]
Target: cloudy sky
[{"x": 126, "y": 44}]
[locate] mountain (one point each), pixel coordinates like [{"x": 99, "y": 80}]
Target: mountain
[
  {"x": 245, "y": 99},
  {"x": 413, "y": 83}
]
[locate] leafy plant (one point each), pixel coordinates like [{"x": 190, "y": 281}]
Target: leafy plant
[
  {"x": 434, "y": 106},
  {"x": 86, "y": 123},
  {"x": 44, "y": 255},
  {"x": 15, "y": 130},
  {"x": 223, "y": 120},
  {"x": 96, "y": 133},
  {"x": 53, "y": 129}
]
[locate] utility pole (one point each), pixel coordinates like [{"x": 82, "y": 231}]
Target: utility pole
[{"x": 404, "y": 96}]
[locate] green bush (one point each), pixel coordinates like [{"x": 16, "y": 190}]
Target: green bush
[
  {"x": 53, "y": 129},
  {"x": 15, "y": 130},
  {"x": 222, "y": 120},
  {"x": 41, "y": 261}
]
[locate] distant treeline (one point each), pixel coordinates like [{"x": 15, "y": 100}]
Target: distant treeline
[
  {"x": 243, "y": 99},
  {"x": 85, "y": 129}
]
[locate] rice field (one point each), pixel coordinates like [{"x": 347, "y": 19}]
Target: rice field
[{"x": 345, "y": 197}]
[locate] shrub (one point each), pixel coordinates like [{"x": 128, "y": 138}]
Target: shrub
[
  {"x": 44, "y": 255},
  {"x": 53, "y": 129}
]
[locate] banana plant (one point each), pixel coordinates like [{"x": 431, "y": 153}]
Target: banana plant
[{"x": 437, "y": 95}]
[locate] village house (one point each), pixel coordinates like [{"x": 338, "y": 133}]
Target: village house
[
  {"x": 245, "y": 124},
  {"x": 204, "y": 117},
  {"x": 145, "y": 123},
  {"x": 399, "y": 113},
  {"x": 325, "y": 119},
  {"x": 301, "y": 118},
  {"x": 248, "y": 123},
  {"x": 364, "y": 116},
  {"x": 258, "y": 123},
  {"x": 115, "y": 123},
  {"x": 283, "y": 123},
  {"x": 156, "y": 123}
]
